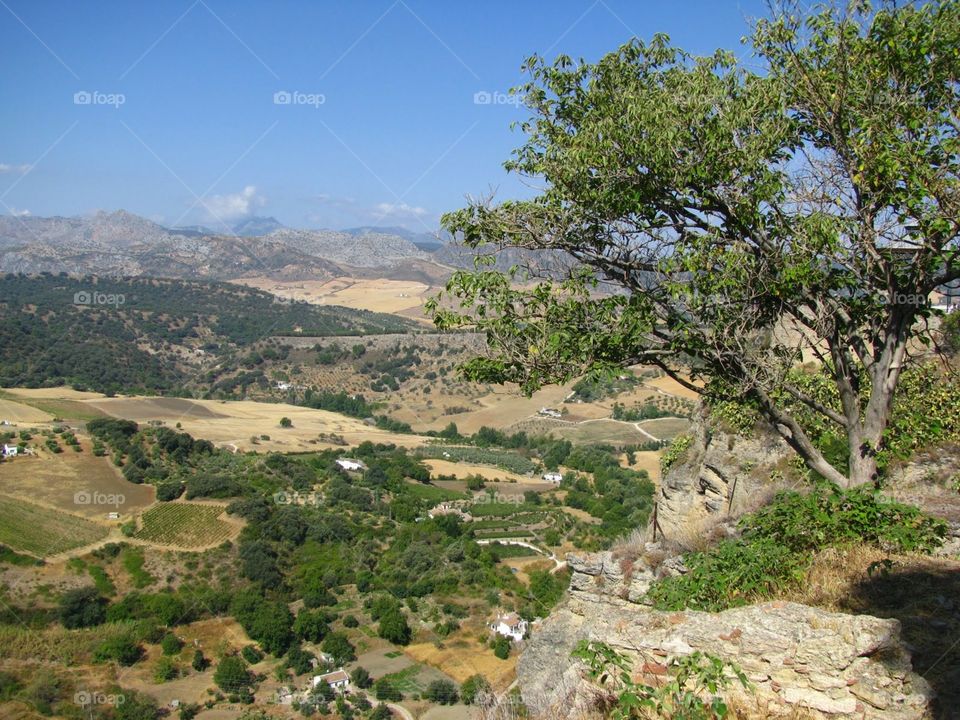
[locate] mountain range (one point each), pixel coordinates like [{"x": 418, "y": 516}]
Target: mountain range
[{"x": 121, "y": 244}]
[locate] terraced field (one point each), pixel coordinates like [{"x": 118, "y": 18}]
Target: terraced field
[
  {"x": 185, "y": 525},
  {"x": 42, "y": 531}
]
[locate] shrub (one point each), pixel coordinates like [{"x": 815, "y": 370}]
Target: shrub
[
  {"x": 735, "y": 572},
  {"x": 171, "y": 644},
  {"x": 473, "y": 686},
  {"x": 443, "y": 692},
  {"x": 828, "y": 516},
  {"x": 689, "y": 692}
]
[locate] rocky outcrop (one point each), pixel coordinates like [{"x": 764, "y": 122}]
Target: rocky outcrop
[
  {"x": 796, "y": 657},
  {"x": 721, "y": 474}
]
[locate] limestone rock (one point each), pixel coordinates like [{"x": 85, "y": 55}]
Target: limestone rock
[{"x": 797, "y": 657}]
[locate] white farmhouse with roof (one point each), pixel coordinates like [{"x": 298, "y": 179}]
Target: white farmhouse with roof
[
  {"x": 549, "y": 412},
  {"x": 350, "y": 464},
  {"x": 512, "y": 626},
  {"x": 337, "y": 680},
  {"x": 552, "y": 477},
  {"x": 10, "y": 450}
]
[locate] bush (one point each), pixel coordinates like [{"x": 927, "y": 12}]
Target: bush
[
  {"x": 501, "y": 647},
  {"x": 734, "y": 573},
  {"x": 473, "y": 686},
  {"x": 251, "y": 654},
  {"x": 171, "y": 644},
  {"x": 828, "y": 516},
  {"x": 83, "y": 607},
  {"x": 780, "y": 540},
  {"x": 442, "y": 691},
  {"x": 232, "y": 675},
  {"x": 119, "y": 649}
]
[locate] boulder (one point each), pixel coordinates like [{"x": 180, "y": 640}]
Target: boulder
[{"x": 827, "y": 664}]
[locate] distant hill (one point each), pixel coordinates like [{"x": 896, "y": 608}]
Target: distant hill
[
  {"x": 149, "y": 334},
  {"x": 256, "y": 226},
  {"x": 426, "y": 241},
  {"x": 121, "y": 244}
]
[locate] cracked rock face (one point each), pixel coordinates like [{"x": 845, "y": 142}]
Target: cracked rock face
[
  {"x": 719, "y": 475},
  {"x": 796, "y": 657}
]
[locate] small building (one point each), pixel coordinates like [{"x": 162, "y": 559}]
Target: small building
[
  {"x": 285, "y": 696},
  {"x": 350, "y": 464},
  {"x": 113, "y": 516},
  {"x": 552, "y": 477},
  {"x": 512, "y": 626},
  {"x": 446, "y": 508},
  {"x": 549, "y": 412},
  {"x": 10, "y": 450},
  {"x": 338, "y": 680}
]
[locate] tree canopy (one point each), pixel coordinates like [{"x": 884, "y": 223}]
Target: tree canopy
[{"x": 728, "y": 222}]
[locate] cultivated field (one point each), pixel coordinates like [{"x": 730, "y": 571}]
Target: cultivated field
[
  {"x": 186, "y": 525},
  {"x": 232, "y": 424},
  {"x": 42, "y": 531},
  {"x": 79, "y": 483},
  {"x": 19, "y": 413},
  {"x": 378, "y": 295},
  {"x": 462, "y": 656},
  {"x": 462, "y": 470}
]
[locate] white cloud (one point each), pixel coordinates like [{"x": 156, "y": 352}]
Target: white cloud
[
  {"x": 235, "y": 206},
  {"x": 18, "y": 169},
  {"x": 400, "y": 210},
  {"x": 19, "y": 213}
]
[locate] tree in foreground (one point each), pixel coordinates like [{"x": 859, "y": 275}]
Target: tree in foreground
[{"x": 749, "y": 222}]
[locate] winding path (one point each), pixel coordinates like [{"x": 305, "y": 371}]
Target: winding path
[{"x": 557, "y": 563}]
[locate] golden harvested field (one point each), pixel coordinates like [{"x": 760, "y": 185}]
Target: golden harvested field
[
  {"x": 462, "y": 656},
  {"x": 648, "y": 460},
  {"x": 378, "y": 295},
  {"x": 503, "y": 407},
  {"x": 79, "y": 483},
  {"x": 672, "y": 387},
  {"x": 55, "y": 393},
  {"x": 42, "y": 531},
  {"x": 233, "y": 423},
  {"x": 19, "y": 413},
  {"x": 462, "y": 470}
]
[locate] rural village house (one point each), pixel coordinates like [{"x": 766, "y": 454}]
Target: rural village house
[
  {"x": 338, "y": 680},
  {"x": 350, "y": 464},
  {"x": 512, "y": 626},
  {"x": 552, "y": 477}
]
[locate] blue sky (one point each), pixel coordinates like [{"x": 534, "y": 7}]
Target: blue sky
[{"x": 179, "y": 121}]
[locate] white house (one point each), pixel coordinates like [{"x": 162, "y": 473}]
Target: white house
[
  {"x": 552, "y": 477},
  {"x": 338, "y": 680},
  {"x": 113, "y": 516},
  {"x": 349, "y": 464},
  {"x": 10, "y": 450},
  {"x": 447, "y": 508},
  {"x": 512, "y": 626},
  {"x": 549, "y": 412}
]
